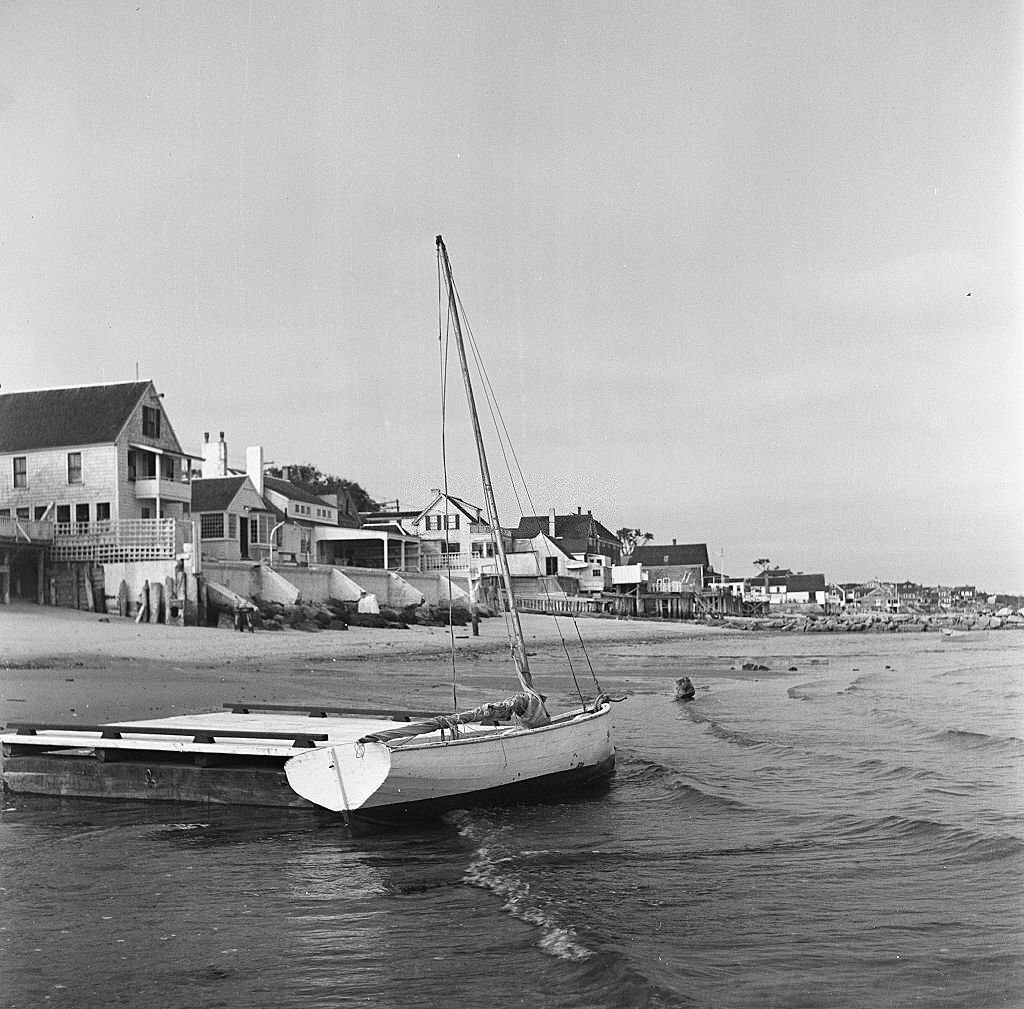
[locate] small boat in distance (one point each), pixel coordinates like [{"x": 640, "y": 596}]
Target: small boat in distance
[{"x": 510, "y": 750}]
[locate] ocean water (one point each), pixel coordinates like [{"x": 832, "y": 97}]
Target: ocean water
[{"x": 841, "y": 829}]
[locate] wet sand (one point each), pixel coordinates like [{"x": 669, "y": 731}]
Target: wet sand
[{"x": 67, "y": 666}]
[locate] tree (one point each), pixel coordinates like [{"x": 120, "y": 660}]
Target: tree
[
  {"x": 308, "y": 477},
  {"x": 763, "y": 563},
  {"x": 630, "y": 539}
]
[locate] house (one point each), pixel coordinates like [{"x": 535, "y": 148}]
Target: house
[
  {"x": 90, "y": 476},
  {"x": 453, "y": 534},
  {"x": 96, "y": 453},
  {"x": 806, "y": 589},
  {"x": 768, "y": 586},
  {"x": 235, "y": 523},
  {"x": 879, "y": 596},
  {"x": 592, "y": 545},
  {"x": 672, "y": 568}
]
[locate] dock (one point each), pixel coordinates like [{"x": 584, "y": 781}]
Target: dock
[{"x": 235, "y": 756}]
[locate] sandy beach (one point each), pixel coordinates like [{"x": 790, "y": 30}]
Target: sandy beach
[{"x": 65, "y": 665}]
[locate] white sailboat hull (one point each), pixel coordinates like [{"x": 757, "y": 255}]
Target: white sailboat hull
[{"x": 378, "y": 784}]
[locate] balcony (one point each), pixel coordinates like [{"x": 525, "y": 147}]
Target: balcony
[
  {"x": 151, "y": 488},
  {"x": 462, "y": 563}
]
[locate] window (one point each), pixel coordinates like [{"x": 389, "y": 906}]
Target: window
[
  {"x": 451, "y": 521},
  {"x": 151, "y": 421},
  {"x": 211, "y": 525},
  {"x": 103, "y": 511},
  {"x": 20, "y": 471},
  {"x": 74, "y": 467},
  {"x": 21, "y": 513},
  {"x": 232, "y": 526},
  {"x": 63, "y": 513},
  {"x": 167, "y": 467},
  {"x": 82, "y": 512},
  {"x": 41, "y": 510},
  {"x": 551, "y": 565}
]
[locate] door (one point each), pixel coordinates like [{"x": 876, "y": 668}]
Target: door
[{"x": 243, "y": 538}]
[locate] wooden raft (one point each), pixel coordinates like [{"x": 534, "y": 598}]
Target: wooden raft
[{"x": 233, "y": 756}]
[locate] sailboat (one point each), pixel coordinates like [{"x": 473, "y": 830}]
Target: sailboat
[{"x": 513, "y": 749}]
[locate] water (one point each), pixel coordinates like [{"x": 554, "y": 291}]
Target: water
[{"x": 847, "y": 832}]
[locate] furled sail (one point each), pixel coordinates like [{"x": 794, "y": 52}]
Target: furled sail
[{"x": 525, "y": 708}]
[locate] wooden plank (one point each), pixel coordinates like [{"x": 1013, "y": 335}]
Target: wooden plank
[
  {"x": 200, "y": 735},
  {"x": 323, "y": 711}
]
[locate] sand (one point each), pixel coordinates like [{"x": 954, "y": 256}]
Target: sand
[{"x": 68, "y": 666}]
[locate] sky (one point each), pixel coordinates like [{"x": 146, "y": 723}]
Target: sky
[{"x": 746, "y": 274}]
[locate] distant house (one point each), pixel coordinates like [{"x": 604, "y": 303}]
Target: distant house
[
  {"x": 592, "y": 545},
  {"x": 95, "y": 453},
  {"x": 664, "y": 568},
  {"x": 454, "y": 534},
  {"x": 879, "y": 596},
  {"x": 806, "y": 589},
  {"x": 234, "y": 521}
]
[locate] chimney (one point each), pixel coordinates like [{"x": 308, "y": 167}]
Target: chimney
[
  {"x": 579, "y": 509},
  {"x": 215, "y": 457},
  {"x": 673, "y": 541},
  {"x": 254, "y": 466},
  {"x": 551, "y": 523}
]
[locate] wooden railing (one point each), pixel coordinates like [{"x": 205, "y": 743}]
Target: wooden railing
[
  {"x": 25, "y": 530},
  {"x": 123, "y": 540}
]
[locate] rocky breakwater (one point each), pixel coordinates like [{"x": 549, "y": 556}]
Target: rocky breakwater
[
  {"x": 878, "y": 623},
  {"x": 338, "y": 615}
]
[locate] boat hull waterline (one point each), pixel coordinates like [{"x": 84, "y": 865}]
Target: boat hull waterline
[{"x": 382, "y": 783}]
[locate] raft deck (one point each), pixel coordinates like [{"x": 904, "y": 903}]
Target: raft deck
[{"x": 233, "y": 756}]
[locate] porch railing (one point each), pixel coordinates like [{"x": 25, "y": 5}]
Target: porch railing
[
  {"x": 123, "y": 540},
  {"x": 25, "y": 530}
]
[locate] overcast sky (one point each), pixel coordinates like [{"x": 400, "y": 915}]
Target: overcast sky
[{"x": 746, "y": 274}]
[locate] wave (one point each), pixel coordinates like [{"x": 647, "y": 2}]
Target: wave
[
  {"x": 923, "y": 836},
  {"x": 634, "y": 771},
  {"x": 970, "y": 740},
  {"x": 902, "y": 772}
]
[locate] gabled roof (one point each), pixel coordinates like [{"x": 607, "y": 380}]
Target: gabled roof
[
  {"x": 575, "y": 526},
  {"x": 805, "y": 583},
  {"x": 472, "y": 512},
  {"x": 215, "y": 494},
  {"x": 671, "y": 555},
  {"x": 53, "y": 418},
  {"x": 293, "y": 492}
]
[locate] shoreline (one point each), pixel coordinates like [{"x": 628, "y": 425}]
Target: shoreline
[{"x": 62, "y": 665}]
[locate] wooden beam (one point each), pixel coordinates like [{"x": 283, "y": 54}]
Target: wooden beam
[
  {"x": 321, "y": 711},
  {"x": 198, "y": 735}
]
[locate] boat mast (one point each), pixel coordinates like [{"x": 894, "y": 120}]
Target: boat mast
[{"x": 518, "y": 642}]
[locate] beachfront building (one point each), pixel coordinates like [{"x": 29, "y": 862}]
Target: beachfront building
[
  {"x": 89, "y": 475},
  {"x": 807, "y": 590},
  {"x": 593, "y": 547},
  {"x": 453, "y": 535},
  {"x": 97, "y": 453},
  {"x": 235, "y": 523},
  {"x": 674, "y": 567}
]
